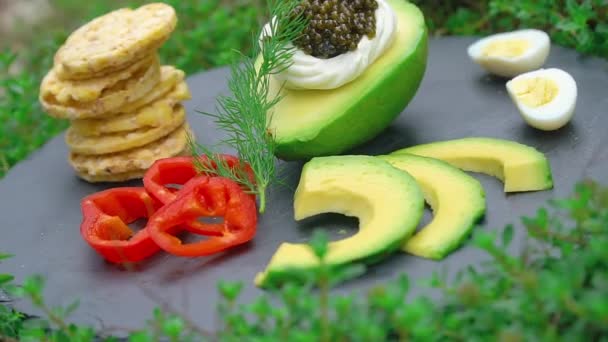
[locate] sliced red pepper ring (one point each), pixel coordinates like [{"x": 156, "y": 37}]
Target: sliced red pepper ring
[
  {"x": 205, "y": 196},
  {"x": 106, "y": 216},
  {"x": 178, "y": 171}
]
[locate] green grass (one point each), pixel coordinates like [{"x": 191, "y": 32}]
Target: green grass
[{"x": 209, "y": 31}]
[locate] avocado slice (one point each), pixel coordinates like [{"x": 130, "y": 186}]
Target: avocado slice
[
  {"x": 520, "y": 167},
  {"x": 456, "y": 199},
  {"x": 388, "y": 203},
  {"x": 311, "y": 123}
]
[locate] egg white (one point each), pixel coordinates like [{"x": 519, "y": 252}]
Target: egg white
[
  {"x": 533, "y": 58},
  {"x": 557, "y": 112}
]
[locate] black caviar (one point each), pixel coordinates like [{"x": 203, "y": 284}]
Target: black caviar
[{"x": 335, "y": 26}]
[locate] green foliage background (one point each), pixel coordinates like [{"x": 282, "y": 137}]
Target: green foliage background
[{"x": 209, "y": 31}]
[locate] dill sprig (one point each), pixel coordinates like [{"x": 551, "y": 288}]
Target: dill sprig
[{"x": 243, "y": 114}]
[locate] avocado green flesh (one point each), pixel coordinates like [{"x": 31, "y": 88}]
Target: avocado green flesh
[
  {"x": 388, "y": 203},
  {"x": 456, "y": 199},
  {"x": 309, "y": 123},
  {"x": 520, "y": 167}
]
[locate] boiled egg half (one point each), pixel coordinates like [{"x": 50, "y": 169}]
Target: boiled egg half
[
  {"x": 545, "y": 98},
  {"x": 509, "y": 54}
]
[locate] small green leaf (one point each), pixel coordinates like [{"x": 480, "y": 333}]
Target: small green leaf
[
  {"x": 343, "y": 306},
  {"x": 72, "y": 307},
  {"x": 568, "y": 26},
  {"x": 230, "y": 290},
  {"x": 462, "y": 21},
  {"x": 261, "y": 307},
  {"x": 32, "y": 288},
  {"x": 4, "y": 256},
  {"x": 436, "y": 280},
  {"x": 36, "y": 323},
  {"x": 602, "y": 29},
  {"x": 403, "y": 283},
  {"x": 140, "y": 336},
  {"x": 484, "y": 240},
  {"x": 158, "y": 314},
  {"x": 347, "y": 273},
  {"x": 319, "y": 243},
  {"x": 290, "y": 292},
  {"x": 173, "y": 327},
  {"x": 58, "y": 312},
  {"x": 84, "y": 334},
  {"x": 32, "y": 334},
  {"x": 507, "y": 235},
  {"x": 5, "y": 278},
  {"x": 111, "y": 339},
  {"x": 15, "y": 291}
]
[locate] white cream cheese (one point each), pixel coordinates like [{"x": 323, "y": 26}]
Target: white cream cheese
[{"x": 309, "y": 72}]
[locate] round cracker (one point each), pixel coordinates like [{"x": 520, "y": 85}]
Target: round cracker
[
  {"x": 66, "y": 92},
  {"x": 136, "y": 159},
  {"x": 111, "y": 100},
  {"x": 115, "y": 40},
  {"x": 169, "y": 78},
  {"x": 154, "y": 114},
  {"x": 117, "y": 178},
  {"x": 117, "y": 142}
]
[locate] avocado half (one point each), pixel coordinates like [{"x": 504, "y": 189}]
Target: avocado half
[
  {"x": 387, "y": 201},
  {"x": 310, "y": 123}
]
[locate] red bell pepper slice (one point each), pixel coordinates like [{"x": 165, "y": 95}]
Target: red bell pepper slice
[
  {"x": 106, "y": 216},
  {"x": 205, "y": 196},
  {"x": 178, "y": 171}
]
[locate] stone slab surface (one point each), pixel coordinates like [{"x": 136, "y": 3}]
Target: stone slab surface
[{"x": 40, "y": 215}]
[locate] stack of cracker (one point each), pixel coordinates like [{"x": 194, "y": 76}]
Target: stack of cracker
[{"x": 125, "y": 108}]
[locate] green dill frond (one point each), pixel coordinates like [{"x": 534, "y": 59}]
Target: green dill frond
[
  {"x": 218, "y": 166},
  {"x": 243, "y": 115}
]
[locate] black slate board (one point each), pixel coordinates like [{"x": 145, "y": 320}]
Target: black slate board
[{"x": 40, "y": 215}]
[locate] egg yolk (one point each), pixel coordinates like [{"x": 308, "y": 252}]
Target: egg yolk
[
  {"x": 535, "y": 92},
  {"x": 506, "y": 48}
]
